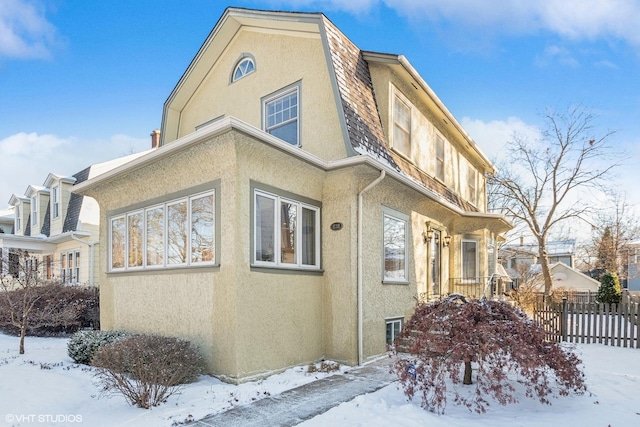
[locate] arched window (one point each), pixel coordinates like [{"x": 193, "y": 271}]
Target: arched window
[{"x": 245, "y": 66}]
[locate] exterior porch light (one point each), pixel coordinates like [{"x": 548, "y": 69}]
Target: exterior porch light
[
  {"x": 446, "y": 240},
  {"x": 427, "y": 235}
]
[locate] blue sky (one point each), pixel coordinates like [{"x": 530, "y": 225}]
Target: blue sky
[{"x": 85, "y": 81}]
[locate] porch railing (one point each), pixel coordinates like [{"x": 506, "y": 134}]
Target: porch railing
[{"x": 479, "y": 287}]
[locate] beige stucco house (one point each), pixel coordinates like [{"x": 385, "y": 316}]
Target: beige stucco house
[{"x": 304, "y": 195}]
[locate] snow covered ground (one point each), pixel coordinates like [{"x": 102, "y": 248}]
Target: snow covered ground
[{"x": 44, "y": 387}]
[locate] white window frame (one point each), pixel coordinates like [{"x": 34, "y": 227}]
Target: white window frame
[
  {"x": 34, "y": 210},
  {"x": 55, "y": 202},
  {"x": 275, "y": 98},
  {"x": 165, "y": 224},
  {"x": 463, "y": 257},
  {"x": 440, "y": 162},
  {"x": 472, "y": 184},
  {"x": 390, "y": 214},
  {"x": 18, "y": 221},
  {"x": 243, "y": 67},
  {"x": 392, "y": 322},
  {"x": 70, "y": 268},
  {"x": 399, "y": 99},
  {"x": 277, "y": 224}
]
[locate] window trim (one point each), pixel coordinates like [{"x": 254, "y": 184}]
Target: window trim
[
  {"x": 301, "y": 202},
  {"x": 55, "y": 201},
  {"x": 462, "y": 258},
  {"x": 399, "y": 96},
  {"x": 472, "y": 191},
  {"x": 399, "y": 216},
  {"x": 390, "y": 321},
  {"x": 18, "y": 218},
  {"x": 244, "y": 58},
  {"x": 211, "y": 189},
  {"x": 34, "y": 210},
  {"x": 70, "y": 268},
  {"x": 440, "y": 161},
  {"x": 281, "y": 93}
]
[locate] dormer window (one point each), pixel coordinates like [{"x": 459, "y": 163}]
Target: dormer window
[
  {"x": 34, "y": 210},
  {"x": 55, "y": 201},
  {"x": 18, "y": 218},
  {"x": 245, "y": 66}
]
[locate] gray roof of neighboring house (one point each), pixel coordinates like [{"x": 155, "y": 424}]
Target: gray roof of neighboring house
[{"x": 75, "y": 203}]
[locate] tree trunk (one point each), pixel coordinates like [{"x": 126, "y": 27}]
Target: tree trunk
[
  {"x": 466, "y": 380},
  {"x": 23, "y": 333},
  {"x": 546, "y": 270}
]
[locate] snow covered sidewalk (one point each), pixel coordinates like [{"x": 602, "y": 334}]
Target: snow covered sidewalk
[{"x": 305, "y": 402}]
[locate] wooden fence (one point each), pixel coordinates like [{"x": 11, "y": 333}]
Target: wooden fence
[{"x": 609, "y": 324}]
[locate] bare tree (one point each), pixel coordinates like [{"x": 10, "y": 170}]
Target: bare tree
[
  {"x": 613, "y": 228},
  {"x": 537, "y": 184},
  {"x": 29, "y": 302}
]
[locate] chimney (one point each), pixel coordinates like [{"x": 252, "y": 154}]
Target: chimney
[{"x": 155, "y": 138}]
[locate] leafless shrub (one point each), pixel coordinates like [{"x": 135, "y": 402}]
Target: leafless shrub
[{"x": 146, "y": 369}]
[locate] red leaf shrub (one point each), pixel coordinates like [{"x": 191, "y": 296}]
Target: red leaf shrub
[{"x": 445, "y": 338}]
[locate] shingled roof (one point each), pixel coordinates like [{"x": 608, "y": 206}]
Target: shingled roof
[{"x": 362, "y": 116}]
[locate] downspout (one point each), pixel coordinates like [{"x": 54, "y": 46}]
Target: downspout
[
  {"x": 360, "y": 296},
  {"x": 91, "y": 257}
]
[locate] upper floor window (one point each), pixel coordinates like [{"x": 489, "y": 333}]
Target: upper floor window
[
  {"x": 472, "y": 184},
  {"x": 286, "y": 232},
  {"x": 244, "y": 66},
  {"x": 18, "y": 218},
  {"x": 281, "y": 115},
  {"x": 179, "y": 232},
  {"x": 395, "y": 237},
  {"x": 34, "y": 210},
  {"x": 401, "y": 127},
  {"x": 439, "y": 158},
  {"x": 55, "y": 201}
]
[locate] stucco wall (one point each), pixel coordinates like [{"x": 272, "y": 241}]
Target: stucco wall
[{"x": 282, "y": 59}]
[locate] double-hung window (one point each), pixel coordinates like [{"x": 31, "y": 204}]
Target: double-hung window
[
  {"x": 469, "y": 259},
  {"x": 472, "y": 186},
  {"x": 179, "y": 232},
  {"x": 55, "y": 201},
  {"x": 286, "y": 232},
  {"x": 18, "y": 218},
  {"x": 70, "y": 267},
  {"x": 281, "y": 115},
  {"x": 395, "y": 237},
  {"x": 34, "y": 210},
  {"x": 401, "y": 127},
  {"x": 439, "y": 158}
]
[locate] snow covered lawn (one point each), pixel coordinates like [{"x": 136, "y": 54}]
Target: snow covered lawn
[{"x": 43, "y": 387}]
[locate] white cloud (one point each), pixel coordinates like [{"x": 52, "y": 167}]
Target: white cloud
[
  {"x": 493, "y": 136},
  {"x": 555, "y": 53},
  {"x": 571, "y": 19},
  {"x": 25, "y": 31},
  {"x": 27, "y": 158}
]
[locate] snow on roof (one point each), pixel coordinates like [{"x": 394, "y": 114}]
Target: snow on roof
[{"x": 90, "y": 210}]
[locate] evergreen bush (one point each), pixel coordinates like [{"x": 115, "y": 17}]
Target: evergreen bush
[
  {"x": 610, "y": 291},
  {"x": 83, "y": 344}
]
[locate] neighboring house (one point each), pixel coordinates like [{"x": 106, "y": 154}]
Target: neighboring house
[
  {"x": 518, "y": 259},
  {"x": 305, "y": 194},
  {"x": 7, "y": 217},
  {"x": 57, "y": 229},
  {"x": 633, "y": 266},
  {"x": 568, "y": 278}
]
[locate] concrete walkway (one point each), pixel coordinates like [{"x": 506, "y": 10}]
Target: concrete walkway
[{"x": 302, "y": 403}]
